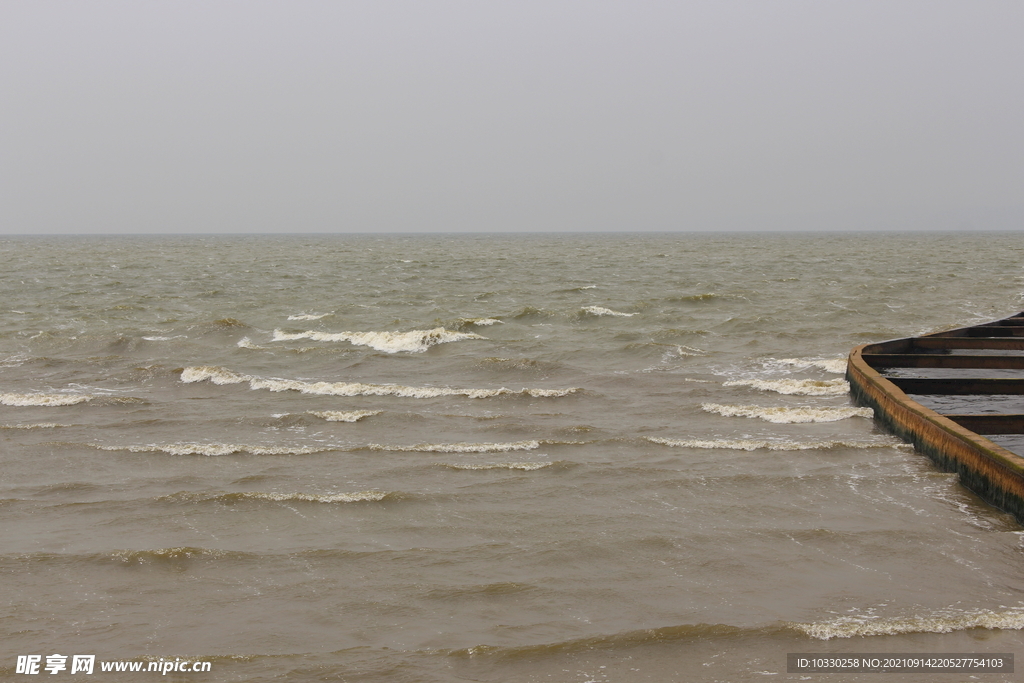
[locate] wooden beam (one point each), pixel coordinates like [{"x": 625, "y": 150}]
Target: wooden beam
[
  {"x": 996, "y": 331},
  {"x": 993, "y": 343},
  {"x": 939, "y": 360},
  {"x": 915, "y": 385},
  {"x": 990, "y": 424}
]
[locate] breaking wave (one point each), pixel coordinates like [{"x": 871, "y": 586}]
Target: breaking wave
[
  {"x": 771, "y": 445},
  {"x": 460, "y": 447},
  {"x": 942, "y": 622},
  {"x": 780, "y": 415},
  {"x": 308, "y": 316},
  {"x": 215, "y": 449},
  {"x": 598, "y": 310},
  {"x": 38, "y": 425},
  {"x": 356, "y": 497},
  {"x": 212, "y": 373},
  {"x": 44, "y": 399},
  {"x": 836, "y": 365},
  {"x": 340, "y": 416},
  {"x": 525, "y": 466},
  {"x": 218, "y": 375},
  {"x": 805, "y": 387},
  {"x": 482, "y": 322},
  {"x": 415, "y": 341}
]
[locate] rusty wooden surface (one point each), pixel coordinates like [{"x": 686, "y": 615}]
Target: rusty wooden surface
[
  {"x": 954, "y": 442},
  {"x": 936, "y": 360},
  {"x": 955, "y": 386}
]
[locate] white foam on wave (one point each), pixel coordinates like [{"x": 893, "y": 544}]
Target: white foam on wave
[
  {"x": 211, "y": 373},
  {"x": 308, "y": 316},
  {"x": 415, "y": 341},
  {"x": 246, "y": 343},
  {"x": 357, "y": 497},
  {"x": 600, "y": 310},
  {"x": 219, "y": 375},
  {"x": 177, "y": 336},
  {"x": 13, "y": 361},
  {"x": 482, "y": 322},
  {"x": 460, "y": 447},
  {"x": 804, "y": 387},
  {"x": 836, "y": 365},
  {"x": 770, "y": 444},
  {"x": 37, "y": 425},
  {"x": 44, "y": 399},
  {"x": 341, "y": 416},
  {"x": 942, "y": 622},
  {"x": 524, "y": 466},
  {"x": 780, "y": 415},
  {"x": 214, "y": 449}
]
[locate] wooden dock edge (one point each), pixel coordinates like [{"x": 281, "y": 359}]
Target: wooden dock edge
[{"x": 991, "y": 471}]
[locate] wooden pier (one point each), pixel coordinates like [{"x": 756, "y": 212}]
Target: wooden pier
[{"x": 976, "y": 366}]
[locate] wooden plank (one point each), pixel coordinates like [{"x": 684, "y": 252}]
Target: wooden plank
[
  {"x": 990, "y": 424},
  {"x": 1000, "y": 343},
  {"x": 996, "y": 331},
  {"x": 994, "y": 472},
  {"x": 982, "y": 386},
  {"x": 938, "y": 360}
]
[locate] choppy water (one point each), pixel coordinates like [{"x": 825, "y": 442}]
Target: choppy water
[{"x": 574, "y": 458}]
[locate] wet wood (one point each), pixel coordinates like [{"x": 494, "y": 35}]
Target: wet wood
[
  {"x": 981, "y": 386},
  {"x": 990, "y": 343},
  {"x": 936, "y": 360},
  {"x": 954, "y": 441},
  {"x": 996, "y": 331},
  {"x": 991, "y": 424}
]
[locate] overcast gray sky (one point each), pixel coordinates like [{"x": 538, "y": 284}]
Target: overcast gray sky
[{"x": 443, "y": 115}]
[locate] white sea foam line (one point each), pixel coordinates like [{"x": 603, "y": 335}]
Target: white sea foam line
[
  {"x": 317, "y": 498},
  {"x": 525, "y": 466},
  {"x": 38, "y": 425},
  {"x": 44, "y": 399},
  {"x": 805, "y": 387},
  {"x": 780, "y": 415},
  {"x": 460, "y": 447},
  {"x": 767, "y": 444},
  {"x": 415, "y": 341},
  {"x": 836, "y": 365},
  {"x": 943, "y": 622},
  {"x": 599, "y": 310},
  {"x": 219, "y": 375},
  {"x": 340, "y": 416},
  {"x": 308, "y": 316},
  {"x": 482, "y": 322},
  {"x": 214, "y": 449}
]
